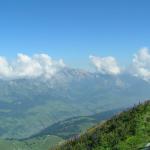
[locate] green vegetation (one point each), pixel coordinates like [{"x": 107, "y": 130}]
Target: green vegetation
[
  {"x": 56, "y": 133},
  {"x": 41, "y": 143},
  {"x": 76, "y": 125},
  {"x": 129, "y": 130}
]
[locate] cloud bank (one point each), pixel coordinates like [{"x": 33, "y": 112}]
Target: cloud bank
[
  {"x": 106, "y": 65},
  {"x": 141, "y": 64},
  {"x": 139, "y": 67},
  {"x": 43, "y": 65},
  {"x": 30, "y": 67}
]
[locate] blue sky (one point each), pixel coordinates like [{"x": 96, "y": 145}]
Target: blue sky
[{"x": 74, "y": 29}]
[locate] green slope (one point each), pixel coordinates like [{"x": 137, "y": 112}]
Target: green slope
[
  {"x": 129, "y": 130},
  {"x": 56, "y": 133},
  {"x": 41, "y": 143},
  {"x": 76, "y": 125}
]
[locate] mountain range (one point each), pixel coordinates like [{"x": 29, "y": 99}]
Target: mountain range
[{"x": 29, "y": 105}]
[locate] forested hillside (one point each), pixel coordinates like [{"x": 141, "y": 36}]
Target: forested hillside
[
  {"x": 130, "y": 130},
  {"x": 56, "y": 133}
]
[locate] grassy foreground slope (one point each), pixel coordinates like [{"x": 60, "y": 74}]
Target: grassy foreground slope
[{"x": 129, "y": 130}]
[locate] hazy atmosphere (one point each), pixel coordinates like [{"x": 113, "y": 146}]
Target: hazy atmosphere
[{"x": 74, "y": 75}]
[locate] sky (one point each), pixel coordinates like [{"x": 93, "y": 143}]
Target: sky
[{"x": 73, "y": 30}]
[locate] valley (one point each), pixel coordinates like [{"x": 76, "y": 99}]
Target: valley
[{"x": 28, "y": 106}]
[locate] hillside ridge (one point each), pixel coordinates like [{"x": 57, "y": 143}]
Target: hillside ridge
[{"x": 129, "y": 130}]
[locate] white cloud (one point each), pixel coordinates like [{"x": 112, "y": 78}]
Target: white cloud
[
  {"x": 106, "y": 65},
  {"x": 5, "y": 68},
  {"x": 141, "y": 64},
  {"x": 26, "y": 67}
]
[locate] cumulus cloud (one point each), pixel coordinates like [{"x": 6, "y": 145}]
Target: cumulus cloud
[
  {"x": 5, "y": 68},
  {"x": 141, "y": 64},
  {"x": 106, "y": 65},
  {"x": 25, "y": 66}
]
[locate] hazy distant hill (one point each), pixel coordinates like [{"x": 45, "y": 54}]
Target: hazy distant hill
[
  {"x": 28, "y": 106},
  {"x": 129, "y": 130},
  {"x": 76, "y": 125},
  {"x": 56, "y": 133}
]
